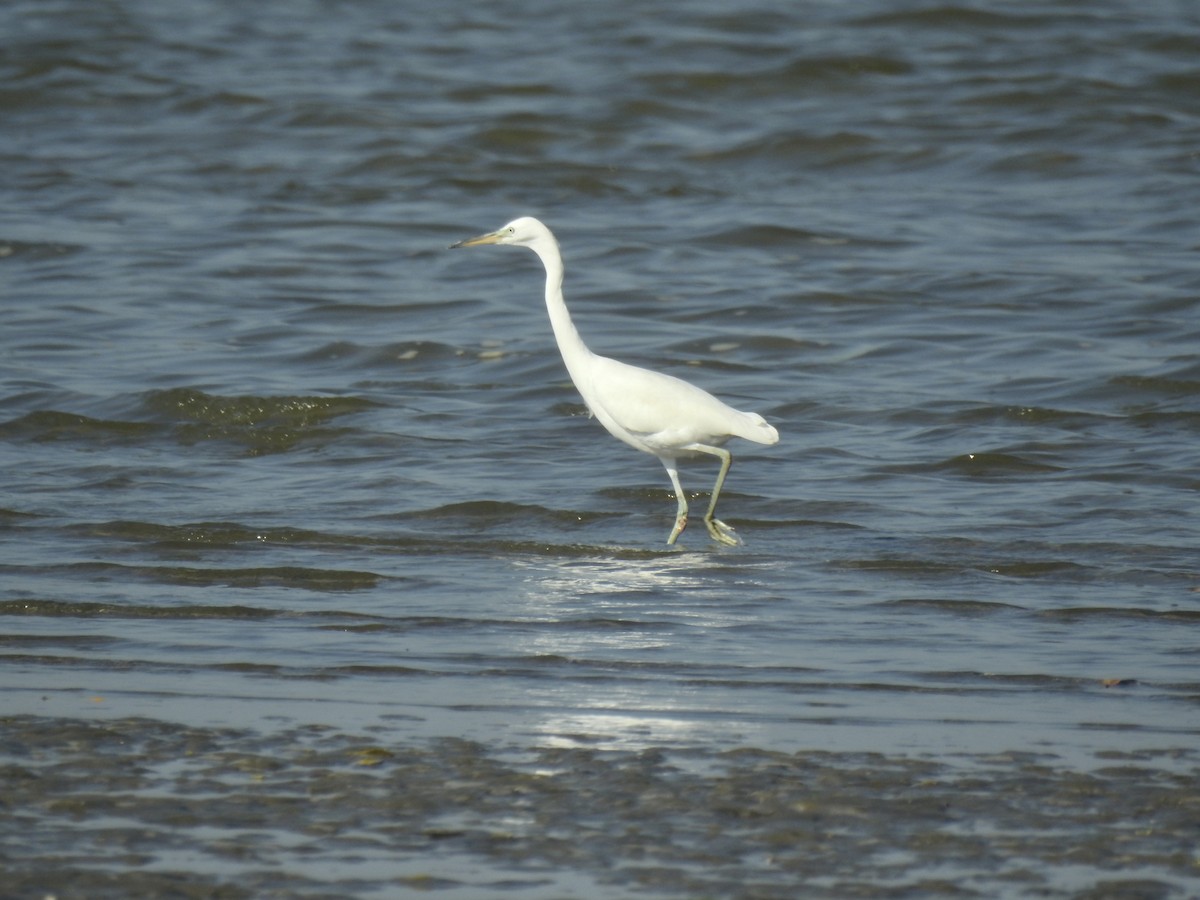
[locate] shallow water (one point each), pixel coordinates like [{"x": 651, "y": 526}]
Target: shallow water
[{"x": 317, "y": 580}]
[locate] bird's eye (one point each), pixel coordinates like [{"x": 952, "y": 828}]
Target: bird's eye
[{"x": 512, "y": 231}]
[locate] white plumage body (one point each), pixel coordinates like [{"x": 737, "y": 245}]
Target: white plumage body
[{"x": 649, "y": 411}]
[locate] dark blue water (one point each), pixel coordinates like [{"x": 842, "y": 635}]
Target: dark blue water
[{"x": 316, "y": 578}]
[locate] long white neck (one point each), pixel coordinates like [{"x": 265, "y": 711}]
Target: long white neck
[{"x": 570, "y": 344}]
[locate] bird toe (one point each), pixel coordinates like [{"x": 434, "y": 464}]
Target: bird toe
[{"x": 722, "y": 533}]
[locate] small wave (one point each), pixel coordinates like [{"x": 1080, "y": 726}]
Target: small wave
[
  {"x": 52, "y": 425},
  {"x": 839, "y": 148},
  {"x": 955, "y": 16},
  {"x": 1128, "y": 613},
  {"x": 487, "y": 514},
  {"x": 187, "y": 404},
  {"x": 760, "y": 235},
  {"x": 36, "y": 250},
  {"x": 994, "y": 464},
  {"x": 262, "y": 424},
  {"x": 305, "y": 578},
  {"x": 87, "y": 610},
  {"x": 953, "y": 607},
  {"x": 1165, "y": 386},
  {"x": 208, "y": 534}
]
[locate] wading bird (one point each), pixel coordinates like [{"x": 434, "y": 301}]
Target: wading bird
[{"x": 649, "y": 411}]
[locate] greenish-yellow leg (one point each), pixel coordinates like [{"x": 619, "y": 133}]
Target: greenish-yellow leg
[
  {"x": 719, "y": 531},
  {"x": 682, "y": 511}
]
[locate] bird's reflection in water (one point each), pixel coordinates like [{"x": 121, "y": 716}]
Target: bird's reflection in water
[
  {"x": 608, "y": 730},
  {"x": 660, "y": 591},
  {"x": 624, "y": 633}
]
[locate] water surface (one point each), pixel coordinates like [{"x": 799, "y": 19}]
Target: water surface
[{"x": 317, "y": 580}]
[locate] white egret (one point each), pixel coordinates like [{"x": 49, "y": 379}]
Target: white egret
[{"x": 649, "y": 411}]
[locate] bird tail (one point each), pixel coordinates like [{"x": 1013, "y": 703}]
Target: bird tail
[{"x": 758, "y": 429}]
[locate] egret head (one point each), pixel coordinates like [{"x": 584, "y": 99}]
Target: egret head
[{"x": 523, "y": 232}]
